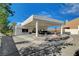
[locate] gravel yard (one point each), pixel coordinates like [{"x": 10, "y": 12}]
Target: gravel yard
[
  {"x": 28, "y": 45},
  {"x": 32, "y": 46}
]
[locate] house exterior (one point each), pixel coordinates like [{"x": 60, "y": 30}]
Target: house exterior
[
  {"x": 36, "y": 22},
  {"x": 72, "y": 26}
]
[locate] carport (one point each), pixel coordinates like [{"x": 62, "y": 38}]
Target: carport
[{"x": 41, "y": 22}]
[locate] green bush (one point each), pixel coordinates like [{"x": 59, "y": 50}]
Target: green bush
[{"x": 7, "y": 32}]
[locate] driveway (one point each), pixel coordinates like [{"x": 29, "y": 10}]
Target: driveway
[
  {"x": 8, "y": 47},
  {"x": 27, "y": 40}
]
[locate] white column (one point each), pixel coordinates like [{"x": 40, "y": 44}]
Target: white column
[
  {"x": 61, "y": 29},
  {"x": 36, "y": 28},
  {"x": 78, "y": 27}
]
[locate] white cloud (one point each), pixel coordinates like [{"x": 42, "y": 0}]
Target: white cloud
[
  {"x": 45, "y": 13},
  {"x": 71, "y": 8}
]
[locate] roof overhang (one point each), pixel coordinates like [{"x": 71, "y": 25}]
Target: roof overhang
[{"x": 43, "y": 21}]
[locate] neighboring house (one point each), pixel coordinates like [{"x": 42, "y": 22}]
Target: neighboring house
[{"x": 72, "y": 26}]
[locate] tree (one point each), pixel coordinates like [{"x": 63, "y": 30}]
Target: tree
[
  {"x": 12, "y": 25},
  {"x": 5, "y": 12}
]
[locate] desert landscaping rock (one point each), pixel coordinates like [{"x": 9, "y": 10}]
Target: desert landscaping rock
[
  {"x": 42, "y": 50},
  {"x": 40, "y": 46}
]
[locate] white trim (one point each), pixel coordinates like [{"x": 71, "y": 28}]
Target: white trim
[{"x": 30, "y": 19}]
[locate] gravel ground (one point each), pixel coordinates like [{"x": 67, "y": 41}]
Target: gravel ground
[
  {"x": 70, "y": 50},
  {"x": 44, "y": 49},
  {"x": 31, "y": 46}
]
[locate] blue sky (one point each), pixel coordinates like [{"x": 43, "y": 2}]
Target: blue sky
[{"x": 54, "y": 10}]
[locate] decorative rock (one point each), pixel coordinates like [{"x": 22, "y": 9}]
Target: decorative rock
[{"x": 48, "y": 48}]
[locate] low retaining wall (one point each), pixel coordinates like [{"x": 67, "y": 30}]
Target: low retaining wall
[{"x": 72, "y": 31}]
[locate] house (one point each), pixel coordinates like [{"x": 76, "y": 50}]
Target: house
[
  {"x": 37, "y": 23},
  {"x": 72, "y": 26}
]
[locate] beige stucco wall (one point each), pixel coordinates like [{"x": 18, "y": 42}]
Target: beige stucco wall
[{"x": 18, "y": 30}]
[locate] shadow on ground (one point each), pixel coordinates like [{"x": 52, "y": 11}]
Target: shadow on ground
[
  {"x": 8, "y": 47},
  {"x": 22, "y": 42}
]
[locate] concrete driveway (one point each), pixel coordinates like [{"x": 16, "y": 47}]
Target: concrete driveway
[{"x": 27, "y": 40}]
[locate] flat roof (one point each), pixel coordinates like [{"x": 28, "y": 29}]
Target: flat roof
[{"x": 42, "y": 20}]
